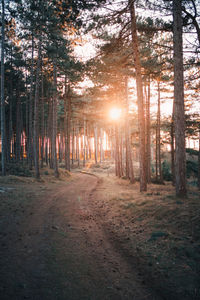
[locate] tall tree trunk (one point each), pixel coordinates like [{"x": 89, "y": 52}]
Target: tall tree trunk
[
  {"x": 54, "y": 132},
  {"x": 50, "y": 117},
  {"x": 148, "y": 132},
  {"x": 159, "y": 166},
  {"x": 121, "y": 152},
  {"x": 27, "y": 120},
  {"x": 172, "y": 147},
  {"x": 129, "y": 163},
  {"x": 73, "y": 143},
  {"x": 96, "y": 144},
  {"x": 22, "y": 133},
  {"x": 10, "y": 112},
  {"x": 156, "y": 153},
  {"x": 46, "y": 150},
  {"x": 141, "y": 118},
  {"x": 84, "y": 141},
  {"x": 101, "y": 145},
  {"x": 67, "y": 128},
  {"x": 36, "y": 114},
  {"x": 199, "y": 161},
  {"x": 89, "y": 143},
  {"x": 42, "y": 123},
  {"x": 117, "y": 153},
  {"x": 30, "y": 146},
  {"x": 77, "y": 145},
  {"x": 65, "y": 122},
  {"x": 18, "y": 126},
  {"x": 3, "y": 127},
  {"x": 180, "y": 155}
]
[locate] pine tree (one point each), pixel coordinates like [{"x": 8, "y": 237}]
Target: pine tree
[
  {"x": 179, "y": 113},
  {"x": 141, "y": 119}
]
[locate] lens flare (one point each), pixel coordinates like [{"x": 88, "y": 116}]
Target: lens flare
[{"x": 115, "y": 113}]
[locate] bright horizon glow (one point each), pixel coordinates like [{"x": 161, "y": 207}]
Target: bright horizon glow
[{"x": 115, "y": 113}]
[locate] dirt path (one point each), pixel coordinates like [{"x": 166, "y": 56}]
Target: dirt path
[{"x": 55, "y": 247}]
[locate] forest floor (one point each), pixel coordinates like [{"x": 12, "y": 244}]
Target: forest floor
[{"x": 92, "y": 236}]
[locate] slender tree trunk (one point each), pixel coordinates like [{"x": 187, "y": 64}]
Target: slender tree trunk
[
  {"x": 73, "y": 143},
  {"x": 172, "y": 148},
  {"x": 54, "y": 133},
  {"x": 129, "y": 163},
  {"x": 27, "y": 121},
  {"x": 10, "y": 112},
  {"x": 156, "y": 153},
  {"x": 159, "y": 139},
  {"x": 65, "y": 123},
  {"x": 96, "y": 144},
  {"x": 180, "y": 155},
  {"x": 121, "y": 152},
  {"x": 3, "y": 127},
  {"x": 77, "y": 144},
  {"x": 10, "y": 127},
  {"x": 21, "y": 134},
  {"x": 46, "y": 151},
  {"x": 68, "y": 128},
  {"x": 84, "y": 141},
  {"x": 61, "y": 146},
  {"x": 101, "y": 145},
  {"x": 30, "y": 146},
  {"x": 141, "y": 118},
  {"x": 117, "y": 154},
  {"x": 50, "y": 117},
  {"x": 42, "y": 124},
  {"x": 199, "y": 162},
  {"x": 36, "y": 114},
  {"x": 89, "y": 143},
  {"x": 148, "y": 132},
  {"x": 18, "y": 126}
]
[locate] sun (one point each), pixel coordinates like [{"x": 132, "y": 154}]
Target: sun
[{"x": 115, "y": 113}]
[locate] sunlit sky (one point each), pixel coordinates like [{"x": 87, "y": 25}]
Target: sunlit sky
[{"x": 85, "y": 49}]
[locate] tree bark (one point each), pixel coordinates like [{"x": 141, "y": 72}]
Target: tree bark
[
  {"x": 3, "y": 127},
  {"x": 172, "y": 148},
  {"x": 73, "y": 143},
  {"x": 77, "y": 145},
  {"x": 18, "y": 127},
  {"x": 180, "y": 155},
  {"x": 36, "y": 114},
  {"x": 141, "y": 118},
  {"x": 67, "y": 128},
  {"x": 84, "y": 141},
  {"x": 199, "y": 161},
  {"x": 54, "y": 133},
  {"x": 10, "y": 150},
  {"x": 96, "y": 144},
  {"x": 30, "y": 146},
  {"x": 158, "y": 150},
  {"x": 129, "y": 163},
  {"x": 148, "y": 132},
  {"x": 42, "y": 124}
]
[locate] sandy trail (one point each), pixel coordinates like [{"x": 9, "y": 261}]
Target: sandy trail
[{"x": 57, "y": 248}]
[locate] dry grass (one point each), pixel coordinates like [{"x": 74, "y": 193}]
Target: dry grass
[{"x": 159, "y": 228}]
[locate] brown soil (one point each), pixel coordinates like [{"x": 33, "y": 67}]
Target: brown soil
[{"x": 96, "y": 237}]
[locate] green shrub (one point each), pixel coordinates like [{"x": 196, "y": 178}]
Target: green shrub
[
  {"x": 166, "y": 170},
  {"x": 191, "y": 168}
]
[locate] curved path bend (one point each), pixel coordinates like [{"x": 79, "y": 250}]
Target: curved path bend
[{"x": 57, "y": 248}]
